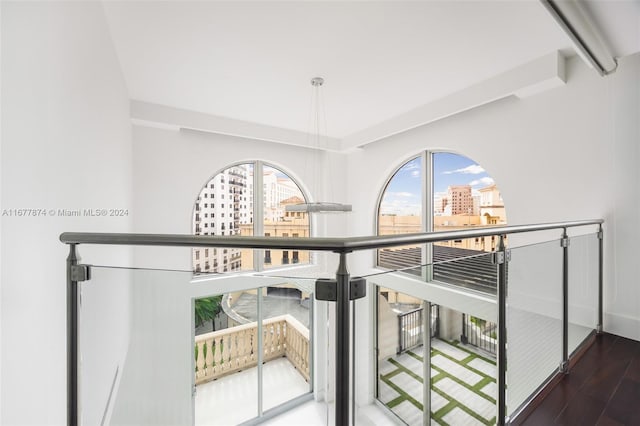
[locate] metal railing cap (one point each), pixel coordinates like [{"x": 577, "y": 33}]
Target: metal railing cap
[{"x": 340, "y": 244}]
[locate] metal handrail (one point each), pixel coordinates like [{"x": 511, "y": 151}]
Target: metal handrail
[{"x": 340, "y": 244}]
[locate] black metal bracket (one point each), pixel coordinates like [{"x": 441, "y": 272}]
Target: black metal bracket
[
  {"x": 326, "y": 289},
  {"x": 500, "y": 257},
  {"x": 357, "y": 288},
  {"x": 80, "y": 273}
]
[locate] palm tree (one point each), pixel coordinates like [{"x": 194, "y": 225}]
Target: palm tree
[{"x": 206, "y": 309}]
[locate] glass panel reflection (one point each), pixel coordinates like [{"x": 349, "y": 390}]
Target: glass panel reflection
[
  {"x": 583, "y": 288},
  {"x": 534, "y": 319},
  {"x": 135, "y": 356}
]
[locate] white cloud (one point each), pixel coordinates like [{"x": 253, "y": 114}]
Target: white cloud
[
  {"x": 486, "y": 181},
  {"x": 473, "y": 169},
  {"x": 401, "y": 209},
  {"x": 412, "y": 165},
  {"x": 401, "y": 194},
  {"x": 415, "y": 173}
]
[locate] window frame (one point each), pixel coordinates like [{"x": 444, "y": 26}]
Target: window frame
[
  {"x": 426, "y": 219},
  {"x": 427, "y": 193},
  {"x": 256, "y": 208}
]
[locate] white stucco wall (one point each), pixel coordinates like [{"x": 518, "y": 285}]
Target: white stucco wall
[{"x": 66, "y": 144}]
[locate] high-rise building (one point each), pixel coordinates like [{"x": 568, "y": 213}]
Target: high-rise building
[
  {"x": 225, "y": 207},
  {"x": 439, "y": 202},
  {"x": 460, "y": 199},
  {"x": 222, "y": 206}
]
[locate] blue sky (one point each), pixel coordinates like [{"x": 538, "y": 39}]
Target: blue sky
[{"x": 402, "y": 196}]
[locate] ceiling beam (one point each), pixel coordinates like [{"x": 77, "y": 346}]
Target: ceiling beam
[
  {"x": 533, "y": 77},
  {"x": 169, "y": 118}
]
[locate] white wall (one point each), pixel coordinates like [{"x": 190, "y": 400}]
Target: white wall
[
  {"x": 565, "y": 154},
  {"x": 65, "y": 145}
]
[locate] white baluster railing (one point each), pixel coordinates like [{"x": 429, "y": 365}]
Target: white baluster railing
[{"x": 234, "y": 349}]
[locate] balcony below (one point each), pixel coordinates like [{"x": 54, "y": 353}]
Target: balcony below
[{"x": 233, "y": 399}]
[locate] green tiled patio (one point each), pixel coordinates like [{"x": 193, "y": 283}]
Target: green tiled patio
[{"x": 463, "y": 385}]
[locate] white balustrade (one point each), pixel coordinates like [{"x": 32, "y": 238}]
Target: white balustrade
[{"x": 234, "y": 349}]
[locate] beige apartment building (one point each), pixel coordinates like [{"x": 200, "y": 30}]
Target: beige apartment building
[
  {"x": 491, "y": 213},
  {"x": 286, "y": 225}
]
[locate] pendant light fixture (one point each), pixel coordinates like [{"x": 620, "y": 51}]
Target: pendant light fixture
[{"x": 320, "y": 206}]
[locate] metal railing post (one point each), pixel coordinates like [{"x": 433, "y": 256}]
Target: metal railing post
[
  {"x": 464, "y": 338},
  {"x": 342, "y": 342},
  {"x": 426, "y": 364},
  {"x": 501, "y": 260},
  {"x": 564, "y": 242},
  {"x": 260, "y": 357},
  {"x": 599, "y": 327},
  {"x": 72, "y": 339},
  {"x": 400, "y": 336}
]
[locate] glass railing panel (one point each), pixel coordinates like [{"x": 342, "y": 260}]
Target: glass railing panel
[
  {"x": 583, "y": 288},
  {"x": 104, "y": 334},
  {"x": 534, "y": 319},
  {"x": 153, "y": 353},
  {"x": 135, "y": 347}
]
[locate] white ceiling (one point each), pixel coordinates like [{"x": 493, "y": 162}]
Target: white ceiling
[{"x": 253, "y": 61}]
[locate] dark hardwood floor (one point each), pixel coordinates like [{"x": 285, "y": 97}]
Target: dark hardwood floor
[{"x": 602, "y": 388}]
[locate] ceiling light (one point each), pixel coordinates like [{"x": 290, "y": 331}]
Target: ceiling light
[{"x": 320, "y": 206}]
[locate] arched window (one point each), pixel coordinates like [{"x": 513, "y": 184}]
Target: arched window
[
  {"x": 456, "y": 192},
  {"x": 229, "y": 205}
]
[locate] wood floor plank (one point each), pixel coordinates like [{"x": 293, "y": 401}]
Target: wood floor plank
[
  {"x": 605, "y": 379},
  {"x": 553, "y": 404},
  {"x": 623, "y": 349},
  {"x": 633, "y": 372},
  {"x": 582, "y": 410},
  {"x": 624, "y": 405},
  {"x": 607, "y": 421}
]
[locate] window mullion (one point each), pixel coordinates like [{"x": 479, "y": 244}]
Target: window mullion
[
  {"x": 258, "y": 212},
  {"x": 427, "y": 209}
]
